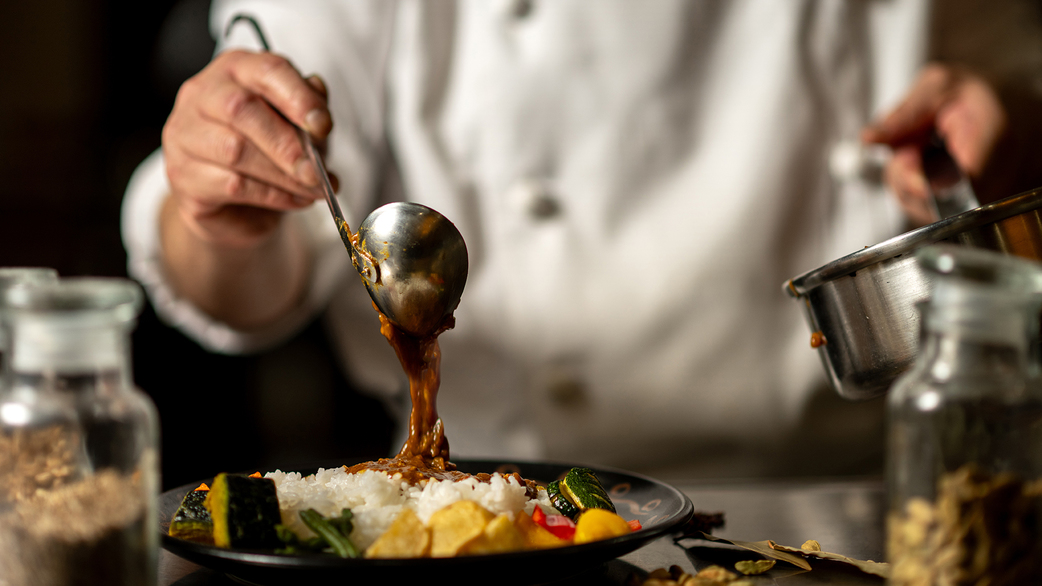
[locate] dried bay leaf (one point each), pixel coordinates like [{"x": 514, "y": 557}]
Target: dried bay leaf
[
  {"x": 764, "y": 548},
  {"x": 880, "y": 569},
  {"x": 797, "y": 557}
]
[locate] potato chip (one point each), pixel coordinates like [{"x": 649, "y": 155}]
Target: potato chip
[
  {"x": 536, "y": 536},
  {"x": 456, "y": 525},
  {"x": 407, "y": 537},
  {"x": 499, "y": 536}
]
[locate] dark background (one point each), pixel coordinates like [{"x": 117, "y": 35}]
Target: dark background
[{"x": 85, "y": 86}]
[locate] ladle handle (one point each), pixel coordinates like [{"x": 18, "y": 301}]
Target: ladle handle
[
  {"x": 950, "y": 190},
  {"x": 327, "y": 187},
  {"x": 364, "y": 264}
]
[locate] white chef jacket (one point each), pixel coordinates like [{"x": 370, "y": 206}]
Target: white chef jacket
[{"x": 634, "y": 182}]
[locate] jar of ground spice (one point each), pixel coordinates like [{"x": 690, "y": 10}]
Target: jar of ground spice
[{"x": 78, "y": 443}]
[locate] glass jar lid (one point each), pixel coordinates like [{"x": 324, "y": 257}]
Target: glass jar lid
[
  {"x": 122, "y": 297},
  {"x": 76, "y": 324}
]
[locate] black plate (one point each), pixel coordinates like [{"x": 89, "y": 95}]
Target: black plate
[{"x": 659, "y": 507}]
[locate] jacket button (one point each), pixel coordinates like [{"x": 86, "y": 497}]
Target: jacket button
[
  {"x": 520, "y": 8},
  {"x": 568, "y": 393},
  {"x": 533, "y": 198},
  {"x": 543, "y": 207}
]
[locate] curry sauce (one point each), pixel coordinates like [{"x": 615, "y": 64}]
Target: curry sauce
[{"x": 426, "y": 450}]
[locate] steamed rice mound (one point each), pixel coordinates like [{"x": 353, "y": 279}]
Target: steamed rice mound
[{"x": 375, "y": 498}]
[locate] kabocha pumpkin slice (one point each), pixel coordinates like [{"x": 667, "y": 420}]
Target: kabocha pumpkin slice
[
  {"x": 192, "y": 521},
  {"x": 244, "y": 511}
]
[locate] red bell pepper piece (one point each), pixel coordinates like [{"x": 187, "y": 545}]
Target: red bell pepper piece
[{"x": 561, "y": 526}]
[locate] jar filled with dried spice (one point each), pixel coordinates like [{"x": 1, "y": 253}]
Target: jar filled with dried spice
[
  {"x": 964, "y": 465},
  {"x": 78, "y": 443},
  {"x": 11, "y": 276}
]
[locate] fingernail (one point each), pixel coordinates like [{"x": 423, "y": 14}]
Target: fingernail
[
  {"x": 318, "y": 83},
  {"x": 872, "y": 134},
  {"x": 317, "y": 122},
  {"x": 305, "y": 172},
  {"x": 300, "y": 200},
  {"x": 918, "y": 185}
]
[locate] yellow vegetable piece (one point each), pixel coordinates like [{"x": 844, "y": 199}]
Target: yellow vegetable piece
[
  {"x": 407, "y": 537},
  {"x": 456, "y": 525},
  {"x": 500, "y": 536},
  {"x": 598, "y": 524},
  {"x": 536, "y": 536}
]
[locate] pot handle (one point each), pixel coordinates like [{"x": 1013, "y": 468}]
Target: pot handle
[{"x": 950, "y": 190}]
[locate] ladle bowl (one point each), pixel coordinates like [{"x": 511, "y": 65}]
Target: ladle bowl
[{"x": 414, "y": 264}]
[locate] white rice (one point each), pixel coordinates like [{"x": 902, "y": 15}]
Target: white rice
[{"x": 376, "y": 498}]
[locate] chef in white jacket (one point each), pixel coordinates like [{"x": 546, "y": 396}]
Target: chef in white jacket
[{"x": 634, "y": 181}]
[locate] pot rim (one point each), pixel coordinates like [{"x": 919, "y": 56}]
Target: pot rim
[{"x": 910, "y": 241}]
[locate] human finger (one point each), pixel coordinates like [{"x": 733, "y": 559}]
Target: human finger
[
  {"x": 210, "y": 214},
  {"x": 230, "y": 104},
  {"x": 202, "y": 187},
  {"x": 318, "y": 84},
  {"x": 274, "y": 77},
  {"x": 904, "y": 176},
  {"x": 914, "y": 117},
  {"x": 972, "y": 123},
  {"x": 223, "y": 146}
]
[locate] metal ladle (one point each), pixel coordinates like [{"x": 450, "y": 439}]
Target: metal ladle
[{"x": 411, "y": 258}]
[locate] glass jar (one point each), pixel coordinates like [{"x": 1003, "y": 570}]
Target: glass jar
[
  {"x": 78, "y": 443},
  {"x": 10, "y": 276},
  {"x": 964, "y": 466}
]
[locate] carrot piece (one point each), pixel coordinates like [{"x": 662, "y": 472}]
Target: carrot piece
[{"x": 202, "y": 487}]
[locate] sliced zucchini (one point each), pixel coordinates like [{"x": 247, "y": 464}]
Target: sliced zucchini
[
  {"x": 581, "y": 487},
  {"x": 560, "y": 501},
  {"x": 192, "y": 521},
  {"x": 245, "y": 511},
  {"x": 577, "y": 492}
]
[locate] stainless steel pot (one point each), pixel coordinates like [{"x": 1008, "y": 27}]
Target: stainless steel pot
[{"x": 862, "y": 310}]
